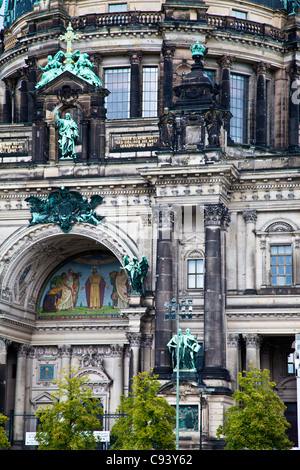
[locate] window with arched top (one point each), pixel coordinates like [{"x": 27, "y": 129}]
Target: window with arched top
[
  {"x": 195, "y": 270},
  {"x": 279, "y": 244}
]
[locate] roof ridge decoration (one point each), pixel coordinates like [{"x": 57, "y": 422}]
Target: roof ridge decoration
[
  {"x": 197, "y": 49},
  {"x": 75, "y": 62}
]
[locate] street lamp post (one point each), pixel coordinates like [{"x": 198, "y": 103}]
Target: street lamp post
[{"x": 186, "y": 310}]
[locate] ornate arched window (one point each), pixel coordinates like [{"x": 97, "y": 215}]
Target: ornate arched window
[
  {"x": 279, "y": 245},
  {"x": 195, "y": 269}
]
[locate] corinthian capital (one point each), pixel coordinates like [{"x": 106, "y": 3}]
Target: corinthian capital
[{"x": 216, "y": 214}]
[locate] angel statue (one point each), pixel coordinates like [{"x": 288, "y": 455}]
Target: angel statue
[
  {"x": 83, "y": 68},
  {"x": 52, "y": 69},
  {"x": 137, "y": 271}
]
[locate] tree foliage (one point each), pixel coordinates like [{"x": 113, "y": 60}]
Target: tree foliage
[
  {"x": 256, "y": 421},
  {"x": 69, "y": 423},
  {"x": 4, "y": 442},
  {"x": 147, "y": 421}
]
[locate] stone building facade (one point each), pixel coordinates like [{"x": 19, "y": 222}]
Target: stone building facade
[{"x": 196, "y": 157}]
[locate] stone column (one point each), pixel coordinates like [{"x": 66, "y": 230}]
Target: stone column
[
  {"x": 7, "y": 107},
  {"x": 32, "y": 80},
  {"x": 135, "y": 84},
  {"x": 233, "y": 343},
  {"x": 164, "y": 292},
  {"x": 65, "y": 353},
  {"x": 85, "y": 145},
  {"x": 117, "y": 388},
  {"x": 97, "y": 127},
  {"x": 4, "y": 343},
  {"x": 24, "y": 96},
  {"x": 250, "y": 219},
  {"x": 146, "y": 351},
  {"x": 253, "y": 342},
  {"x": 135, "y": 344},
  {"x": 168, "y": 54},
  {"x": 261, "y": 103},
  {"x": 225, "y": 63},
  {"x": 52, "y": 143},
  {"x": 39, "y": 137},
  {"x": 296, "y": 273},
  {"x": 20, "y": 392},
  {"x": 215, "y": 215},
  {"x": 294, "y": 108}
]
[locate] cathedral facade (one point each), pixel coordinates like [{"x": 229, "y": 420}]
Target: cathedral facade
[{"x": 148, "y": 155}]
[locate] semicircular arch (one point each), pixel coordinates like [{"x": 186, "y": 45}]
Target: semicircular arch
[{"x": 31, "y": 254}]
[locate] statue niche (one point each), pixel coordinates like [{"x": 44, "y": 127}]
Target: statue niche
[{"x": 69, "y": 108}]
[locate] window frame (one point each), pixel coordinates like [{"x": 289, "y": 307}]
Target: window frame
[
  {"x": 117, "y": 5},
  {"x": 145, "y": 111},
  {"x": 285, "y": 265},
  {"x": 235, "y": 13},
  {"x": 195, "y": 274},
  {"x": 244, "y": 130},
  {"x": 110, "y": 99},
  {"x": 290, "y": 362}
]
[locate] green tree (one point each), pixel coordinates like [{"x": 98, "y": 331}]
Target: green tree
[
  {"x": 148, "y": 420},
  {"x": 69, "y": 423},
  {"x": 256, "y": 421},
  {"x": 4, "y": 442}
]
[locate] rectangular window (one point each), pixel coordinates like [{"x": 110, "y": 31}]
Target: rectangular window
[
  {"x": 116, "y": 8},
  {"x": 150, "y": 90},
  {"x": 211, "y": 74},
  {"x": 281, "y": 265},
  {"x": 290, "y": 364},
  {"x": 117, "y": 81},
  {"x": 239, "y": 14},
  {"x": 195, "y": 273},
  {"x": 239, "y": 108}
]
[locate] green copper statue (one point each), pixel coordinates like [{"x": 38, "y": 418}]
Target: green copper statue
[
  {"x": 197, "y": 49},
  {"x": 68, "y": 135},
  {"x": 75, "y": 62},
  {"x": 52, "y": 69},
  {"x": 64, "y": 208},
  {"x": 137, "y": 271},
  {"x": 83, "y": 68},
  {"x": 188, "y": 348}
]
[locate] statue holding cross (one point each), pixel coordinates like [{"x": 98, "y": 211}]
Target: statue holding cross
[{"x": 69, "y": 37}]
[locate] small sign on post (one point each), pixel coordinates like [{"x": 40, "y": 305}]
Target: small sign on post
[
  {"x": 102, "y": 436},
  {"x": 30, "y": 439}
]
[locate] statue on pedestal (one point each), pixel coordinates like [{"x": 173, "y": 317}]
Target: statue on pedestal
[
  {"x": 188, "y": 349},
  {"x": 137, "y": 271},
  {"x": 68, "y": 135}
]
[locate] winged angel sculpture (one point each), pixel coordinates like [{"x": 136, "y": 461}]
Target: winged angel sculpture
[
  {"x": 137, "y": 271},
  {"x": 64, "y": 208}
]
